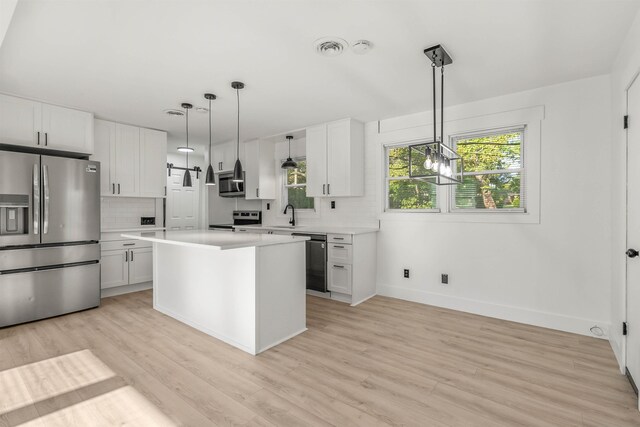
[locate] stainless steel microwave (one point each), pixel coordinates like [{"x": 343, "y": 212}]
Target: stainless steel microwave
[{"x": 228, "y": 188}]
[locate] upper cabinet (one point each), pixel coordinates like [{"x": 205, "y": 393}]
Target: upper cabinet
[
  {"x": 34, "y": 124},
  {"x": 133, "y": 160},
  {"x": 259, "y": 165},
  {"x": 223, "y": 157},
  {"x": 335, "y": 159}
]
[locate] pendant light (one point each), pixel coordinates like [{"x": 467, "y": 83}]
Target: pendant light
[
  {"x": 186, "y": 149},
  {"x": 186, "y": 181},
  {"x": 440, "y": 160},
  {"x": 289, "y": 163},
  {"x": 238, "y": 175},
  {"x": 211, "y": 177}
]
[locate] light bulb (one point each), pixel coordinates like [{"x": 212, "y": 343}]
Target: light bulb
[
  {"x": 442, "y": 168},
  {"x": 435, "y": 165},
  {"x": 447, "y": 171},
  {"x": 427, "y": 163}
]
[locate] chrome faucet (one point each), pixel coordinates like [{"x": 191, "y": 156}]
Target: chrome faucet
[{"x": 292, "y": 221}]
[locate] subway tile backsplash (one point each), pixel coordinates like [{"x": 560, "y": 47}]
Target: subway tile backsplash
[{"x": 116, "y": 213}]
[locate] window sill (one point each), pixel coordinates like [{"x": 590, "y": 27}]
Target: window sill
[{"x": 511, "y": 217}]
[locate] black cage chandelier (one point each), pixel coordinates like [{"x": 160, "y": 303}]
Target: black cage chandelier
[{"x": 435, "y": 162}]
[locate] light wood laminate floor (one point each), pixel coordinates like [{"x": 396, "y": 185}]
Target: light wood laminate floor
[{"x": 385, "y": 362}]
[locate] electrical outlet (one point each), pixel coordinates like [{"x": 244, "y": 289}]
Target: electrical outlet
[
  {"x": 444, "y": 279},
  {"x": 333, "y": 204},
  {"x": 406, "y": 273},
  {"x": 268, "y": 206},
  {"x": 148, "y": 220}
]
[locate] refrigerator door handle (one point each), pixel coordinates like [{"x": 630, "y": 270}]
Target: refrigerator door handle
[
  {"x": 45, "y": 180},
  {"x": 36, "y": 199}
]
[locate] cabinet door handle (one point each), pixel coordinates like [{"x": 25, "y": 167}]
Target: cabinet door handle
[
  {"x": 323, "y": 187},
  {"x": 118, "y": 188},
  {"x": 338, "y": 266},
  {"x": 128, "y": 244},
  {"x": 38, "y": 137},
  {"x": 339, "y": 247},
  {"x": 113, "y": 188},
  {"x": 328, "y": 188},
  {"x": 126, "y": 256},
  {"x": 257, "y": 192},
  {"x": 46, "y": 139},
  {"x": 131, "y": 255},
  {"x": 165, "y": 190},
  {"x": 338, "y": 238}
]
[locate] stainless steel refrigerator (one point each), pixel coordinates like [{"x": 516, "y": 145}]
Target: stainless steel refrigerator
[{"x": 49, "y": 233}]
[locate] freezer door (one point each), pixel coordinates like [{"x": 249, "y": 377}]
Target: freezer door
[
  {"x": 70, "y": 200},
  {"x": 40, "y": 294},
  {"x": 19, "y": 198}
]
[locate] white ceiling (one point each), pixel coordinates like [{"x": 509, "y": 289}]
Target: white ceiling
[{"x": 129, "y": 60}]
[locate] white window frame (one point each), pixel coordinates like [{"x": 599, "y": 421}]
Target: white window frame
[
  {"x": 284, "y": 194},
  {"x": 474, "y": 119},
  {"x": 451, "y": 203},
  {"x": 388, "y": 179}
]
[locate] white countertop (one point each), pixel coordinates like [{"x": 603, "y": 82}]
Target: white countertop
[
  {"x": 222, "y": 240},
  {"x": 322, "y": 229}
]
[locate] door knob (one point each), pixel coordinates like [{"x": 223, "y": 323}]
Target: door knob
[{"x": 632, "y": 253}]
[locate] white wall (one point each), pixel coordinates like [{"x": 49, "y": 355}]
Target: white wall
[
  {"x": 554, "y": 274},
  {"x": 625, "y": 68}
]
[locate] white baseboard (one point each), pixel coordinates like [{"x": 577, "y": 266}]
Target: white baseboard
[
  {"x": 618, "y": 351},
  {"x": 127, "y": 289},
  {"x": 543, "y": 319}
]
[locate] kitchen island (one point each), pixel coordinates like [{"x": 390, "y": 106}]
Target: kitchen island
[{"x": 245, "y": 289}]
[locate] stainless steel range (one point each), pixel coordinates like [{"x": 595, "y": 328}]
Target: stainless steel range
[
  {"x": 49, "y": 232},
  {"x": 240, "y": 218}
]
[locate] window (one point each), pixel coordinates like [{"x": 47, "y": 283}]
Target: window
[
  {"x": 494, "y": 172},
  {"x": 404, "y": 193},
  {"x": 295, "y": 186}
]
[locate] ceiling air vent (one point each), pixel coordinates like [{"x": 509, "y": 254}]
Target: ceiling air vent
[
  {"x": 172, "y": 112},
  {"x": 330, "y": 46}
]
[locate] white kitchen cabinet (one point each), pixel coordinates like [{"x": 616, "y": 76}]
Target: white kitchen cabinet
[
  {"x": 259, "y": 165},
  {"x": 105, "y": 143},
  {"x": 49, "y": 127},
  {"x": 140, "y": 265},
  {"x": 153, "y": 163},
  {"x": 224, "y": 157},
  {"x": 114, "y": 269},
  {"x": 339, "y": 278},
  {"x": 133, "y": 160},
  {"x": 125, "y": 168},
  {"x": 335, "y": 159},
  {"x": 125, "y": 262},
  {"x": 19, "y": 121},
  {"x": 67, "y": 130}
]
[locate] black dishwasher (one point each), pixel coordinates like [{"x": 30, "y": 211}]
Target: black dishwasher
[{"x": 316, "y": 261}]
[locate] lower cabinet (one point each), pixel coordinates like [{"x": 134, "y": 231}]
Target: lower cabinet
[
  {"x": 124, "y": 264},
  {"x": 351, "y": 267},
  {"x": 339, "y": 278}
]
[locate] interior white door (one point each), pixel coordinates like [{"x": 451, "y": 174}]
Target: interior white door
[
  {"x": 633, "y": 232},
  {"x": 182, "y": 202}
]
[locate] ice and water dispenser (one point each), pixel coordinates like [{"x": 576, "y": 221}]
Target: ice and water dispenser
[{"x": 14, "y": 214}]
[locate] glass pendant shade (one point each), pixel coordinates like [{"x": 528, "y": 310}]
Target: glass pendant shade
[
  {"x": 211, "y": 177},
  {"x": 186, "y": 181}
]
